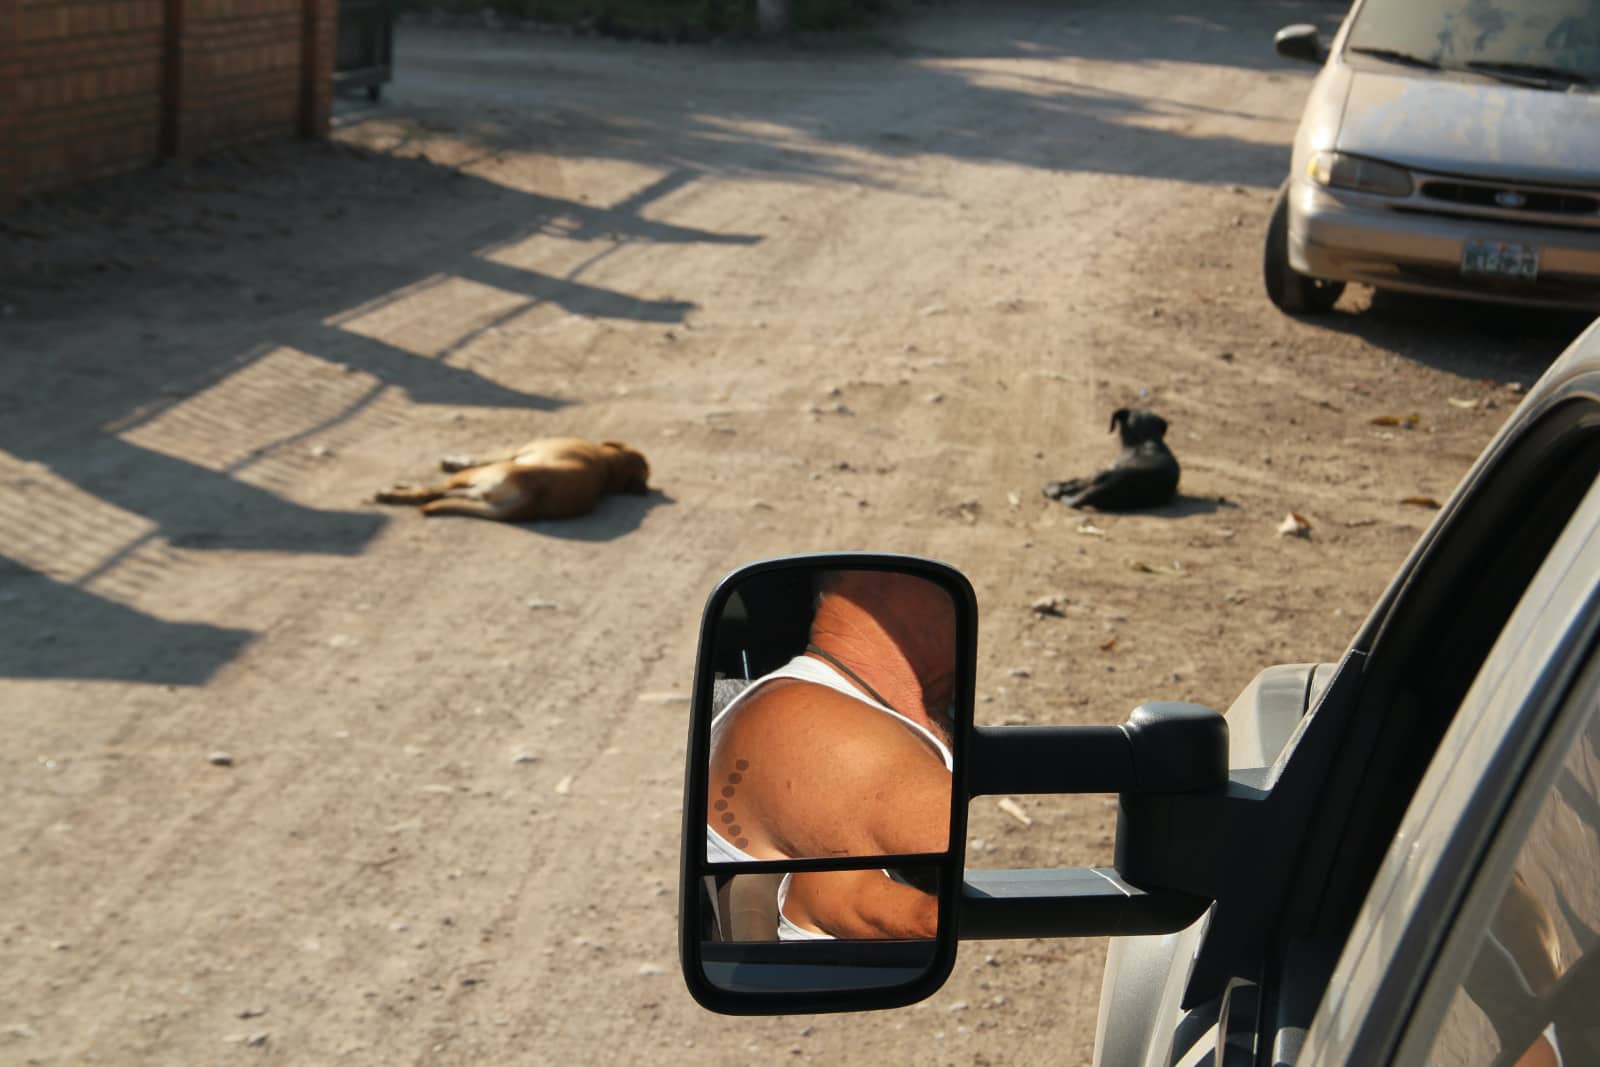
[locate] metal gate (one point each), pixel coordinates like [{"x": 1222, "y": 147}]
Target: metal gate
[{"x": 365, "y": 56}]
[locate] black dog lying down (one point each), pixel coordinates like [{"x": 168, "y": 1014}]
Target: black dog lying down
[{"x": 1144, "y": 476}]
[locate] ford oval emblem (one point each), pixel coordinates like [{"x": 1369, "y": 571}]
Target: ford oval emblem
[{"x": 1510, "y": 198}]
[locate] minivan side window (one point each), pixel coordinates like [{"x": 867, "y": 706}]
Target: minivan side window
[{"x": 1529, "y": 998}]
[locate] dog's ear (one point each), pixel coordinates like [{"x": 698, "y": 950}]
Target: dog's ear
[
  {"x": 1143, "y": 425},
  {"x": 1119, "y": 417}
]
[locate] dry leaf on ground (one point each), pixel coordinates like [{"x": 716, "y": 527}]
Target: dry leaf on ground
[
  {"x": 1294, "y": 525},
  {"x": 1013, "y": 809}
]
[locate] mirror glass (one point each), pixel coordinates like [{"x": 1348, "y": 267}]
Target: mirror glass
[
  {"x": 761, "y": 933},
  {"x": 869, "y": 904},
  {"x": 821, "y": 809},
  {"x": 832, "y": 711}
]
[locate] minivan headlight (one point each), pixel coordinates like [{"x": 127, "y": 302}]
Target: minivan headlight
[{"x": 1339, "y": 171}]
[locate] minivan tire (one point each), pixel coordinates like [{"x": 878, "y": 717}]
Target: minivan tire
[{"x": 1288, "y": 289}]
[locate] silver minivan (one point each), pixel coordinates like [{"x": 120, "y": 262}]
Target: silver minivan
[{"x": 1448, "y": 147}]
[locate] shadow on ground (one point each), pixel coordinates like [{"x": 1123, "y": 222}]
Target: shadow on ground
[
  {"x": 1185, "y": 506},
  {"x": 912, "y": 98},
  {"x": 616, "y": 516},
  {"x": 178, "y": 341},
  {"x": 613, "y": 517},
  {"x": 1476, "y": 340},
  {"x": 65, "y": 632}
]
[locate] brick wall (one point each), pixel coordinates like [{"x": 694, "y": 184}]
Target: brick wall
[
  {"x": 89, "y": 95},
  {"x": 239, "y": 69},
  {"x": 93, "y": 86},
  {"x": 10, "y": 87},
  {"x": 319, "y": 49}
]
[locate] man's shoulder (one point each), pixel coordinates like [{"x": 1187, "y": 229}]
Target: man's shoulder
[
  {"x": 794, "y": 711},
  {"x": 787, "y": 698}
]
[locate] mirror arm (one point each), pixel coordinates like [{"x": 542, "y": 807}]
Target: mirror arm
[
  {"x": 1164, "y": 758},
  {"x": 1240, "y": 845},
  {"x": 1070, "y": 902},
  {"x": 1026, "y": 760},
  {"x": 1165, "y": 747}
]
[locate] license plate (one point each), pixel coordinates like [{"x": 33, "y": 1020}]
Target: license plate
[{"x": 1500, "y": 259}]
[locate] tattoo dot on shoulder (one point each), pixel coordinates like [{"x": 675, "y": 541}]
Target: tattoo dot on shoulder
[{"x": 741, "y": 765}]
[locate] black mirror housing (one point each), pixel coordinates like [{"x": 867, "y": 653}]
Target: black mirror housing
[
  {"x": 810, "y": 669},
  {"x": 782, "y": 910}
]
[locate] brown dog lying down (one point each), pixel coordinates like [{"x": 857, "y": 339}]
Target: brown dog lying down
[{"x": 549, "y": 478}]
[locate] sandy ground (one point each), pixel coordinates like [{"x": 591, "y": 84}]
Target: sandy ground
[{"x": 871, "y": 293}]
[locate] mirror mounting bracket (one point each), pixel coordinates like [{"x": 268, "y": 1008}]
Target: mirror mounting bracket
[
  {"x": 1237, "y": 845},
  {"x": 1163, "y": 752},
  {"x": 1068, "y": 902},
  {"x": 1191, "y": 835}
]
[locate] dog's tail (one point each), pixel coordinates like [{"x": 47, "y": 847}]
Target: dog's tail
[{"x": 406, "y": 494}]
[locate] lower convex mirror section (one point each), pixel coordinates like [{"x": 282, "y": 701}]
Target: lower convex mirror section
[
  {"x": 813, "y": 967},
  {"x": 876, "y": 904},
  {"x": 819, "y": 931}
]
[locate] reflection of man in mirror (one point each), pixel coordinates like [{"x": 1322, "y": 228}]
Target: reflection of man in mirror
[
  {"x": 1518, "y": 965},
  {"x": 844, "y": 751}
]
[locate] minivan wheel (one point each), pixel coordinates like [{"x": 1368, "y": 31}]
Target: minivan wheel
[{"x": 1287, "y": 288}]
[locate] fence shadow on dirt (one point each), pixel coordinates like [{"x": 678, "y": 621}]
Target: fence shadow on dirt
[
  {"x": 63, "y": 631},
  {"x": 286, "y": 295},
  {"x": 292, "y": 298}
]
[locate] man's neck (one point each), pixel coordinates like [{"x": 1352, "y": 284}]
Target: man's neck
[{"x": 859, "y": 644}]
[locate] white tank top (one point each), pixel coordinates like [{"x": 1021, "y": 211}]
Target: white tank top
[
  {"x": 808, "y": 669},
  {"x": 805, "y": 669}
]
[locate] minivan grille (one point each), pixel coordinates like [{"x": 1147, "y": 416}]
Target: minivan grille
[{"x": 1506, "y": 198}]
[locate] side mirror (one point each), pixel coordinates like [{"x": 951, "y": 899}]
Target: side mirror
[
  {"x": 831, "y": 758},
  {"x": 822, "y": 823},
  {"x": 1301, "y": 43}
]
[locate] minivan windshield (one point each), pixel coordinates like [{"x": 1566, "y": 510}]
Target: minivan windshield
[{"x": 1545, "y": 43}]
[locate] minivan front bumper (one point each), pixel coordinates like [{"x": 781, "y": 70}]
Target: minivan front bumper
[{"x": 1378, "y": 241}]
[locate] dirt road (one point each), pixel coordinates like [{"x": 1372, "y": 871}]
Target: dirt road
[{"x": 292, "y": 778}]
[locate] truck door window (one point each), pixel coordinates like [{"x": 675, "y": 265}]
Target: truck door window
[{"x": 1528, "y": 998}]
